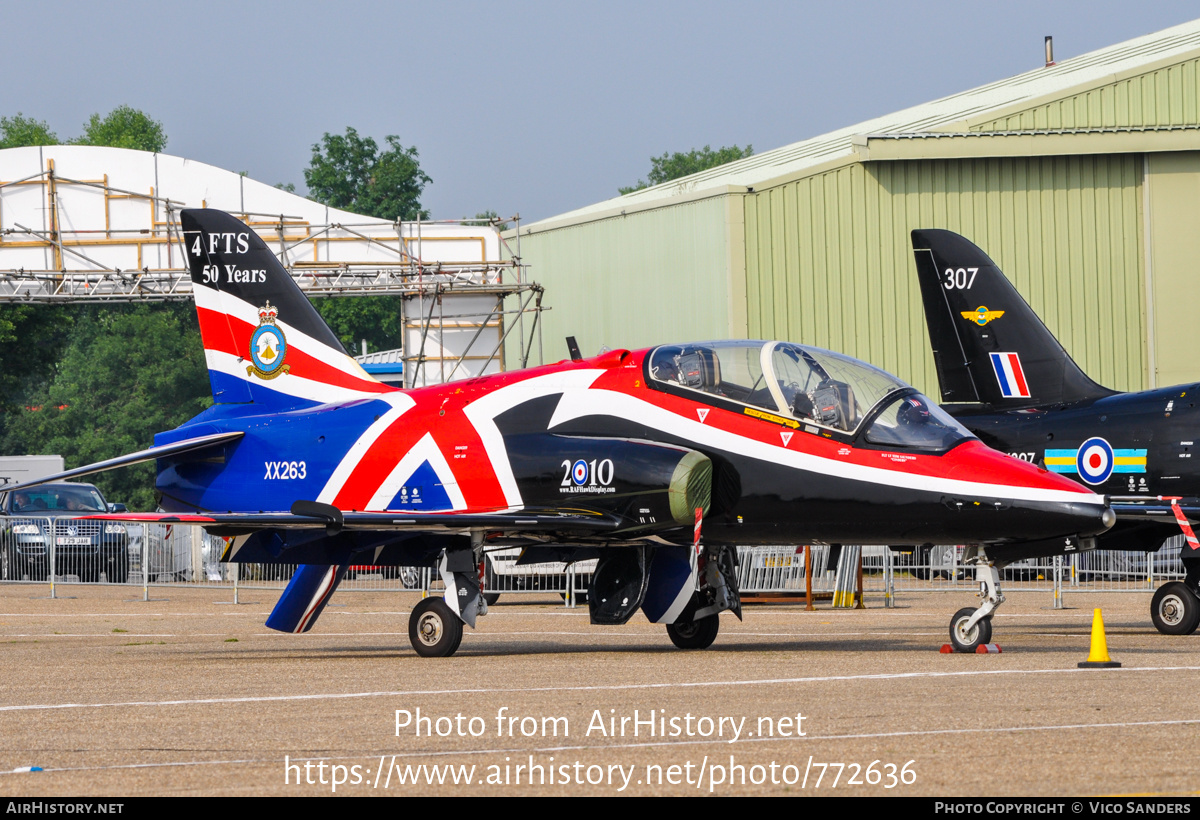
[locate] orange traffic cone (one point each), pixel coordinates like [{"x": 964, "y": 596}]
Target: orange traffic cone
[{"x": 1098, "y": 657}]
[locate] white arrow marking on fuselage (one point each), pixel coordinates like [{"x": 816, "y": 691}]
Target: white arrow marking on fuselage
[
  {"x": 702, "y": 412},
  {"x": 401, "y": 403},
  {"x": 483, "y": 411},
  {"x": 787, "y": 437}
]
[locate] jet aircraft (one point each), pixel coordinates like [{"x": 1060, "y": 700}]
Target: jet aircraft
[
  {"x": 304, "y": 458},
  {"x": 1006, "y": 378}
]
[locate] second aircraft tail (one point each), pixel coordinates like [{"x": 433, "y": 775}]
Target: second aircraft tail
[{"x": 988, "y": 344}]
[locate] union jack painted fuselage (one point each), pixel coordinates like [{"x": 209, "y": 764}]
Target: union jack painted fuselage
[{"x": 304, "y": 458}]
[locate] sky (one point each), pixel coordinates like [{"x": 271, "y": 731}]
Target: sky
[{"x": 524, "y": 108}]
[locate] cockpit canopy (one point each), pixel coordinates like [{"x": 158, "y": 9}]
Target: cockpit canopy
[{"x": 810, "y": 385}]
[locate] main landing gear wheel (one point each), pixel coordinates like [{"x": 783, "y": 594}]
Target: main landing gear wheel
[
  {"x": 433, "y": 629},
  {"x": 965, "y": 640},
  {"x": 698, "y": 634},
  {"x": 1175, "y": 609}
]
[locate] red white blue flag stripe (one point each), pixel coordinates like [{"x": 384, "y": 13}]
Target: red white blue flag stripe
[{"x": 1010, "y": 375}]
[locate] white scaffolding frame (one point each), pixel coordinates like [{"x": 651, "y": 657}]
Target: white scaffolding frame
[{"x": 435, "y": 295}]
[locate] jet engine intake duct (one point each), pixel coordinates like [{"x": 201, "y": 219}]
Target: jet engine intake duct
[
  {"x": 650, "y": 485},
  {"x": 691, "y": 486}
]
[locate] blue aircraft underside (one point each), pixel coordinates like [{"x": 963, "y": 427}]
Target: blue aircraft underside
[{"x": 288, "y": 456}]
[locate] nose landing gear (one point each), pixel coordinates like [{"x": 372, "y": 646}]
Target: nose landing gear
[{"x": 971, "y": 627}]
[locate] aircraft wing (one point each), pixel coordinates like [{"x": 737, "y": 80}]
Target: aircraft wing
[
  {"x": 334, "y": 520},
  {"x": 1156, "y": 507},
  {"x": 161, "y": 451}
]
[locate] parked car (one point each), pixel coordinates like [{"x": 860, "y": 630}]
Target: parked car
[{"x": 31, "y": 520}]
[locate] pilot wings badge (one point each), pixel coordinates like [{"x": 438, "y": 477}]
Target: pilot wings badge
[
  {"x": 981, "y": 315},
  {"x": 268, "y": 347}
]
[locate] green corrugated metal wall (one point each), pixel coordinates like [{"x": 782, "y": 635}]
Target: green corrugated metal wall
[
  {"x": 828, "y": 258},
  {"x": 653, "y": 277},
  {"x": 1166, "y": 96}
]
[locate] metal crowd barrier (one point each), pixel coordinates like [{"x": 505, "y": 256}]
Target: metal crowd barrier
[
  {"x": 781, "y": 569},
  {"x": 502, "y": 576},
  {"x": 57, "y": 550}
]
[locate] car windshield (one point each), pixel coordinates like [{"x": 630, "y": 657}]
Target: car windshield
[
  {"x": 57, "y": 499},
  {"x": 806, "y": 383},
  {"x": 913, "y": 421}
]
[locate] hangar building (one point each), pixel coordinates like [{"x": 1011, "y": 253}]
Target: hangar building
[{"x": 1081, "y": 179}]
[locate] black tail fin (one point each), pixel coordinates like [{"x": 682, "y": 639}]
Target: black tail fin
[
  {"x": 988, "y": 344},
  {"x": 263, "y": 340}
]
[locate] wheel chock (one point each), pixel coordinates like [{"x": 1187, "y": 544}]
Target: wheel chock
[
  {"x": 982, "y": 649},
  {"x": 1098, "y": 657}
]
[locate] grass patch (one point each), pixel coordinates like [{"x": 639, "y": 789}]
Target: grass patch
[
  {"x": 231, "y": 640},
  {"x": 118, "y": 629}
]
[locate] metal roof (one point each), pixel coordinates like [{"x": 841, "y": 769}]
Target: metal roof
[{"x": 956, "y": 113}]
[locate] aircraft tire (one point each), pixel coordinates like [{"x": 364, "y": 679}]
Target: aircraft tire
[
  {"x": 433, "y": 629},
  {"x": 980, "y": 634},
  {"x": 1175, "y": 609},
  {"x": 698, "y": 634},
  {"x": 491, "y": 597}
]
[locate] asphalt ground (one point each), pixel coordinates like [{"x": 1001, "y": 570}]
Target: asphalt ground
[{"x": 188, "y": 694}]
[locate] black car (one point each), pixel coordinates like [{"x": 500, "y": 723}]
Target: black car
[{"x": 31, "y": 520}]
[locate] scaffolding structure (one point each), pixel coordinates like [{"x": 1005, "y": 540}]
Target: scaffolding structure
[{"x": 464, "y": 291}]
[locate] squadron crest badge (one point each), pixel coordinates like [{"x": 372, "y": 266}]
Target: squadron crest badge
[{"x": 268, "y": 347}]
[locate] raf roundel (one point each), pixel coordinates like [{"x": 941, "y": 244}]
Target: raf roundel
[
  {"x": 579, "y": 473},
  {"x": 1095, "y": 460}
]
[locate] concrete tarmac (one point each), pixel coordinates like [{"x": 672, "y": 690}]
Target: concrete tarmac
[{"x": 188, "y": 694}]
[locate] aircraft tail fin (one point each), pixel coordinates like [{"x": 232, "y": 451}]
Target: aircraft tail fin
[
  {"x": 988, "y": 344},
  {"x": 264, "y": 342}
]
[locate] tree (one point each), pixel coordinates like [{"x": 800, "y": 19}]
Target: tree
[
  {"x": 673, "y": 166},
  {"x": 19, "y": 131},
  {"x": 373, "y": 318},
  {"x": 124, "y": 127},
  {"x": 491, "y": 217},
  {"x": 32, "y": 338},
  {"x": 351, "y": 173}
]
